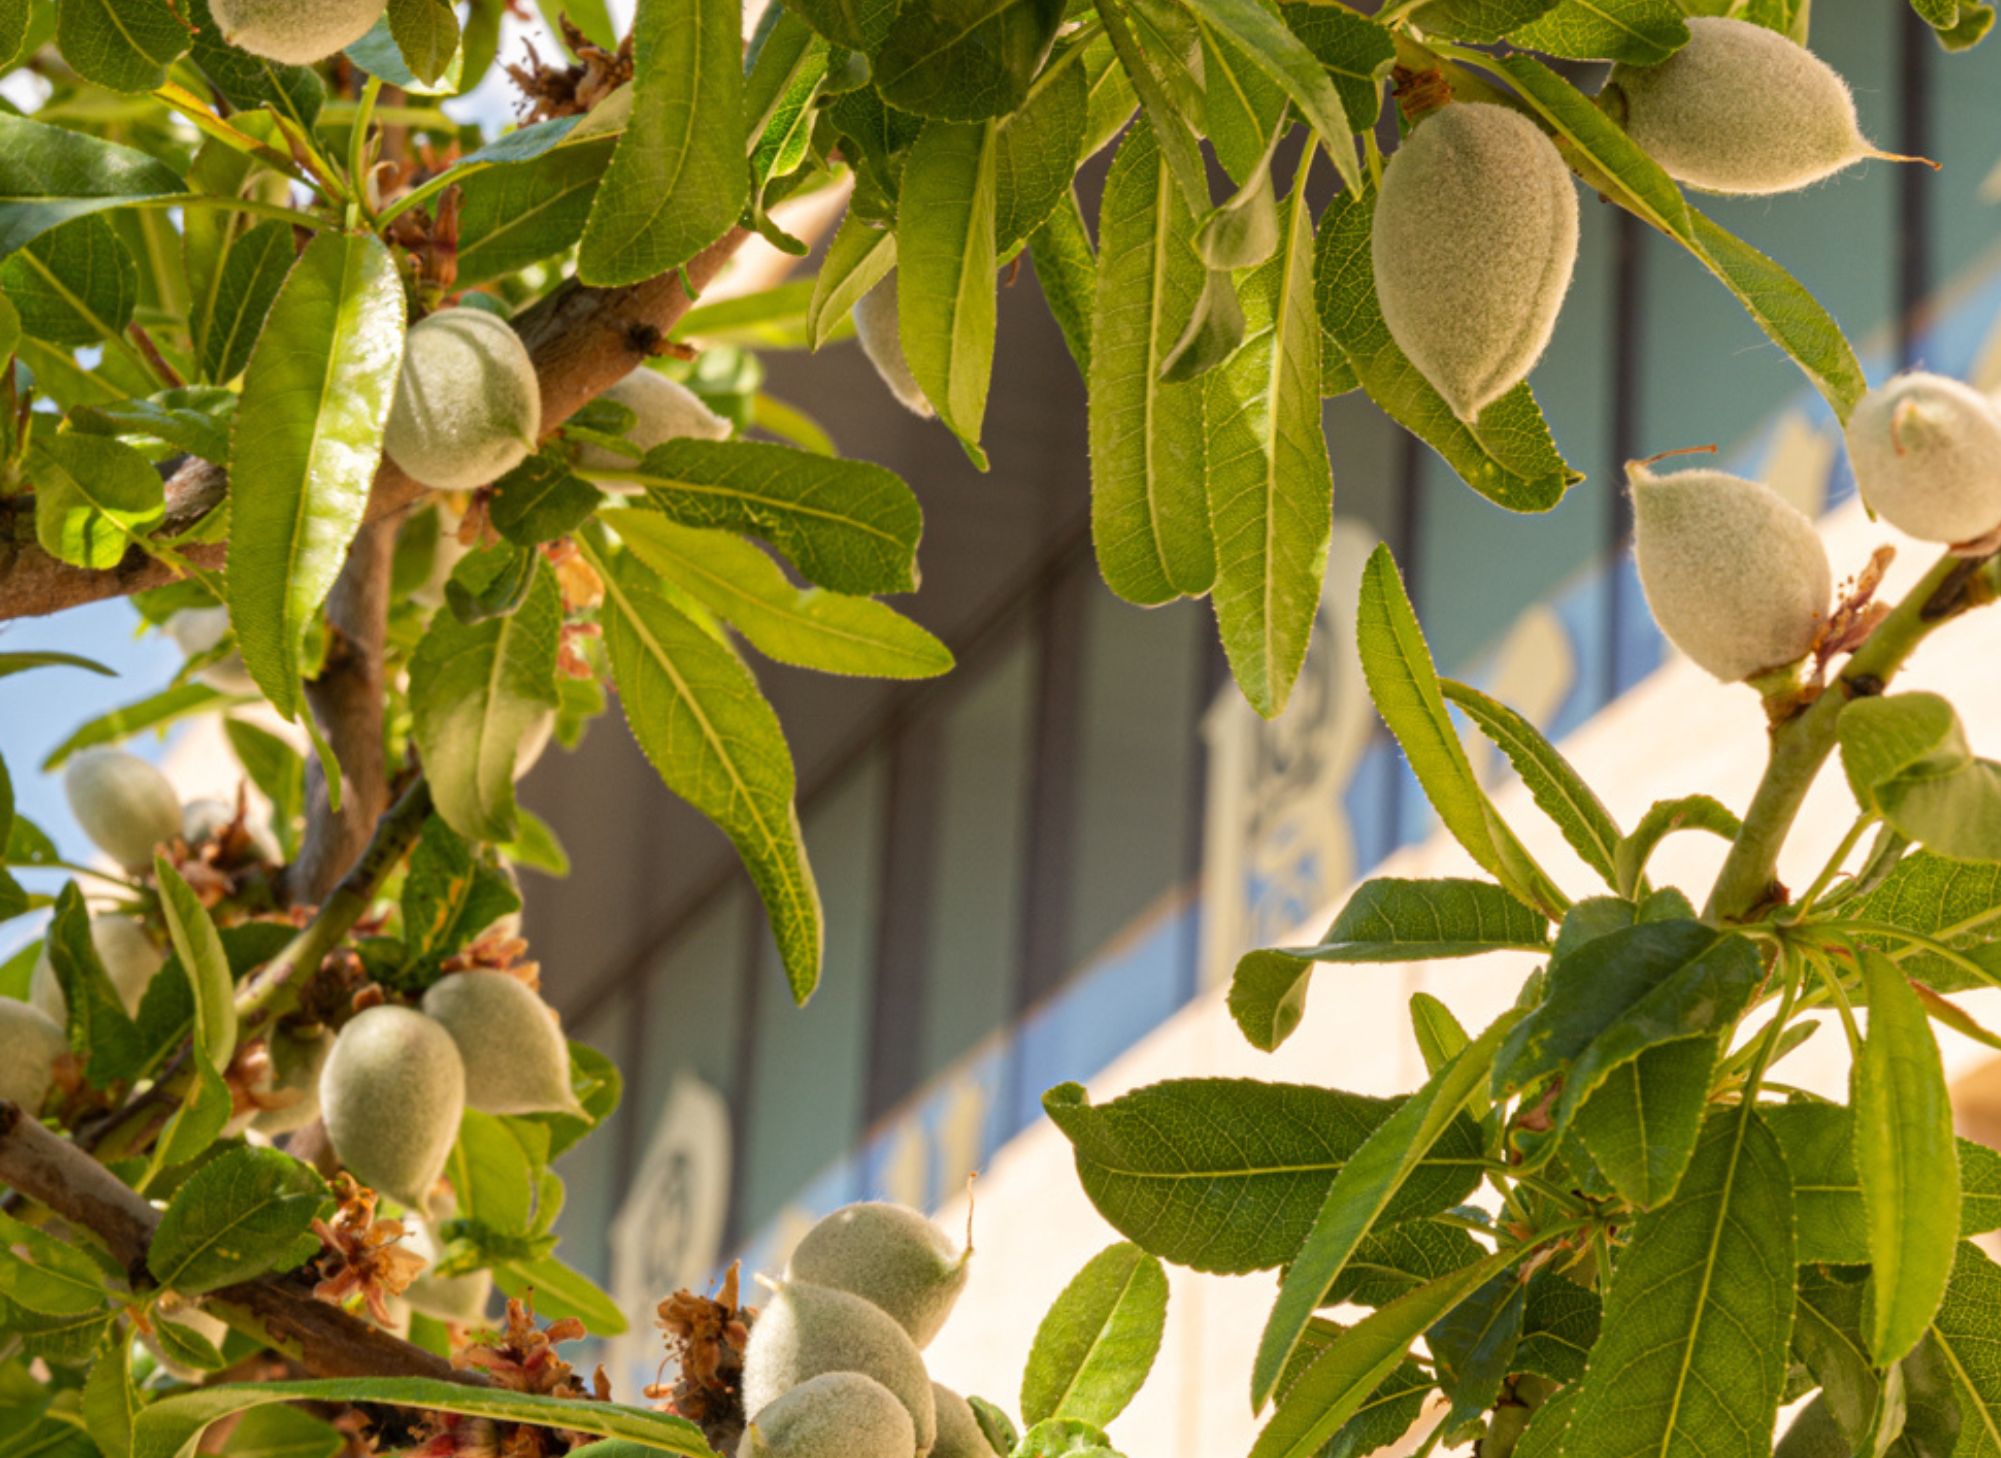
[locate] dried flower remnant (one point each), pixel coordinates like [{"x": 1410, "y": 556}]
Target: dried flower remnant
[
  {"x": 706, "y": 1338},
  {"x": 360, "y": 1255},
  {"x": 552, "y": 91}
]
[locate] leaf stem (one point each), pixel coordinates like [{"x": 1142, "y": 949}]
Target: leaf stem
[
  {"x": 357, "y": 153},
  {"x": 1769, "y": 1043},
  {"x": 1835, "y": 862},
  {"x": 1917, "y": 941},
  {"x": 256, "y": 206},
  {"x": 1801, "y": 744}
]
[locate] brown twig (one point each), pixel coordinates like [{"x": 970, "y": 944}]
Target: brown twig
[
  {"x": 583, "y": 341},
  {"x": 347, "y": 697},
  {"x": 325, "y": 1340}
]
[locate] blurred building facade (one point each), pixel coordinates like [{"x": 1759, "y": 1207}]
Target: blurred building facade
[{"x": 1035, "y": 865}]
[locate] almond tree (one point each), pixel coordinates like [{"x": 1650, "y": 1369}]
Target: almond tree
[{"x": 402, "y": 431}]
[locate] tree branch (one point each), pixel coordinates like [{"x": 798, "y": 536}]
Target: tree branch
[
  {"x": 583, "y": 341},
  {"x": 348, "y": 696},
  {"x": 324, "y": 1339},
  {"x": 1801, "y": 744}
]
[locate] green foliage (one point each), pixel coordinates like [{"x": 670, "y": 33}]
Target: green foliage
[
  {"x": 173, "y": 1426},
  {"x": 1598, "y": 1217},
  {"x": 1671, "y": 1230},
  {"x": 1098, "y": 1341},
  {"x": 316, "y": 398},
  {"x": 239, "y": 1215},
  {"x": 1180, "y": 1168}
]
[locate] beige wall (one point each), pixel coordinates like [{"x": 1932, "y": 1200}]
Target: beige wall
[{"x": 1678, "y": 732}]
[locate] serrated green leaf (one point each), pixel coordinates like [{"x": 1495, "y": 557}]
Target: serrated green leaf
[
  {"x": 378, "y": 55},
  {"x": 75, "y": 285},
  {"x": 1242, "y": 104},
  {"x": 111, "y": 1402},
  {"x": 1395, "y": 920},
  {"x": 1967, "y": 1333},
  {"x": 1227, "y": 1174},
  {"x": 94, "y": 497},
  {"x": 1474, "y": 1346},
  {"x": 194, "y": 419},
  {"x": 1955, "y": 813},
  {"x": 1064, "y": 1438},
  {"x": 1270, "y": 483},
  {"x": 1149, "y": 506},
  {"x": 1900, "y": 1414},
  {"x": 194, "y": 1127},
  {"x": 859, "y": 257},
  {"x": 1559, "y": 1326},
  {"x": 964, "y": 60},
  {"x": 1362, "y": 1194},
  {"x": 849, "y": 526},
  {"x": 492, "y": 1168},
  {"x": 1393, "y": 1261},
  {"x": 541, "y": 500},
  {"x": 101, "y": 1034},
  {"x": 49, "y": 175},
  {"x": 1507, "y": 455},
  {"x": 1954, "y": 902},
  {"x": 237, "y": 1216},
  {"x": 1268, "y": 996},
  {"x": 1642, "y": 1121},
  {"x": 1480, "y": 21},
  {"x": 1334, "y": 1386},
  {"x": 857, "y": 24},
  {"x": 1663, "y": 818},
  {"x": 277, "y": 770},
  {"x": 172, "y": 1427},
  {"x": 477, "y": 692},
  {"x": 1618, "y": 993},
  {"x": 677, "y": 180},
  {"x": 1906, "y": 1158},
  {"x": 449, "y": 896},
  {"x": 1036, "y": 150},
  {"x": 1260, "y": 35},
  {"x": 697, "y": 714},
  {"x": 427, "y": 33},
  {"x": 810, "y": 628},
  {"x": 14, "y": 18},
  {"x": 123, "y": 45},
  {"x": 1555, "y": 786},
  {"x": 308, "y": 438},
  {"x": 945, "y": 290},
  {"x": 1357, "y": 53},
  {"x": 1887, "y": 737},
  {"x": 1638, "y": 32},
  {"x": 67, "y": 1339},
  {"x": 522, "y": 212},
  {"x": 1097, "y": 1343},
  {"x": 283, "y": 1432},
  {"x": 40, "y": 1273},
  {"x": 1818, "y": 1140},
  {"x": 199, "y": 946},
  {"x": 1404, "y": 684},
  {"x": 250, "y": 81},
  {"x": 1692, "y": 1358},
  {"x": 1385, "y": 1415},
  {"x": 1067, "y": 269}
]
